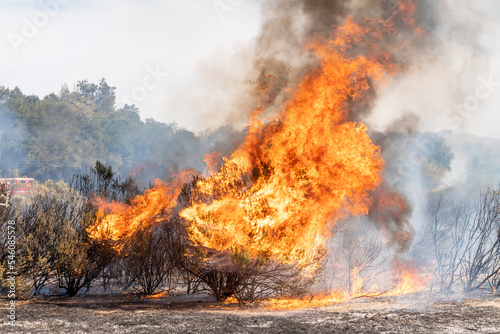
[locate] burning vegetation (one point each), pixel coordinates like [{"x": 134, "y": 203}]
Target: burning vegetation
[
  {"x": 258, "y": 225},
  {"x": 301, "y": 214}
]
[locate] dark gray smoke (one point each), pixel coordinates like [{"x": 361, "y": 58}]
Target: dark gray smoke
[
  {"x": 418, "y": 156},
  {"x": 280, "y": 49},
  {"x": 279, "y": 58}
]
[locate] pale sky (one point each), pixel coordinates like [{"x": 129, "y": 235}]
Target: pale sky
[
  {"x": 455, "y": 85},
  {"x": 152, "y": 51},
  {"x": 122, "y": 41}
]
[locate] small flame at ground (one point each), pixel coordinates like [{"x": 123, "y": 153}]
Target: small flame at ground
[
  {"x": 306, "y": 302},
  {"x": 158, "y": 295}
]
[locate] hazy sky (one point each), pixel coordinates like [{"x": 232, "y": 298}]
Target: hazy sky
[
  {"x": 46, "y": 43},
  {"x": 455, "y": 84},
  {"x": 153, "y": 51}
]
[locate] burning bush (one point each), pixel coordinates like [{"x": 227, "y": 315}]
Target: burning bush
[
  {"x": 258, "y": 226},
  {"x": 270, "y": 206},
  {"x": 235, "y": 272}
]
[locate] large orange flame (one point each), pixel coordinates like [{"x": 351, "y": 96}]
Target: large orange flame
[
  {"x": 279, "y": 194},
  {"x": 294, "y": 177}
]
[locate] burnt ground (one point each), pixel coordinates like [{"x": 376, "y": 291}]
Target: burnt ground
[{"x": 128, "y": 314}]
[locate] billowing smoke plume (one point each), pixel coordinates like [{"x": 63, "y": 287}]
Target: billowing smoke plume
[
  {"x": 281, "y": 53},
  {"x": 440, "y": 72},
  {"x": 297, "y": 169}
]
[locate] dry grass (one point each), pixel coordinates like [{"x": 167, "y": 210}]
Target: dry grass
[{"x": 128, "y": 314}]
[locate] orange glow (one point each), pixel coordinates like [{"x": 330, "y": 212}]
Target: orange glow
[
  {"x": 408, "y": 278},
  {"x": 310, "y": 301},
  {"x": 231, "y": 300},
  {"x": 357, "y": 282},
  {"x": 281, "y": 191},
  {"x": 408, "y": 10},
  {"x": 158, "y": 295},
  {"x": 358, "y": 289},
  {"x": 279, "y": 195},
  {"x": 116, "y": 221},
  {"x": 212, "y": 161}
]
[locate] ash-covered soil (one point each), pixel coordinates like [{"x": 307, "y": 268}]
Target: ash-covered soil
[{"x": 181, "y": 315}]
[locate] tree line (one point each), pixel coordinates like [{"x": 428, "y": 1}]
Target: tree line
[{"x": 64, "y": 133}]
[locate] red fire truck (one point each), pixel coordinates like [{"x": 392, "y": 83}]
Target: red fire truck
[{"x": 16, "y": 186}]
